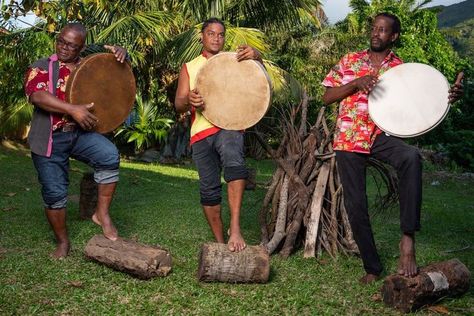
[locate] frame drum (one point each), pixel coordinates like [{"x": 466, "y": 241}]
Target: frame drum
[
  {"x": 236, "y": 94},
  {"x": 110, "y": 85},
  {"x": 409, "y": 100}
]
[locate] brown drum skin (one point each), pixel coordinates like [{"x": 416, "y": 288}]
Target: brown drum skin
[
  {"x": 109, "y": 84},
  {"x": 236, "y": 94}
]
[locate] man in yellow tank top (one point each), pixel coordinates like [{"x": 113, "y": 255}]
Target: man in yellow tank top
[{"x": 214, "y": 148}]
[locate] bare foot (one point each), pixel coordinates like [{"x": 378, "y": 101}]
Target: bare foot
[
  {"x": 369, "y": 278},
  {"x": 236, "y": 242},
  {"x": 407, "y": 262},
  {"x": 62, "y": 250},
  {"x": 108, "y": 228}
]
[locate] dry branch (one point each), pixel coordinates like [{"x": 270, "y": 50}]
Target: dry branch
[{"x": 304, "y": 201}]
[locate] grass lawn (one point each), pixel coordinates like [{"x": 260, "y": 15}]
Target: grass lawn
[{"x": 160, "y": 205}]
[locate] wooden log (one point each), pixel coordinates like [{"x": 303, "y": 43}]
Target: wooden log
[
  {"x": 88, "y": 199},
  {"x": 281, "y": 219},
  {"x": 438, "y": 280},
  {"x": 141, "y": 261},
  {"x": 316, "y": 208},
  {"x": 251, "y": 181},
  {"x": 218, "y": 263}
]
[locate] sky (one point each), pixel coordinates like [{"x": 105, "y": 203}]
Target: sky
[{"x": 337, "y": 10}]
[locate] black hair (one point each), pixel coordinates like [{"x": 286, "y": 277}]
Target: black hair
[
  {"x": 211, "y": 21},
  {"x": 77, "y": 27},
  {"x": 396, "y": 25}
]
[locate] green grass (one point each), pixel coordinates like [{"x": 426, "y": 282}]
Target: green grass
[{"x": 160, "y": 205}]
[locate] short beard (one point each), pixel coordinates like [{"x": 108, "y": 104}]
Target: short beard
[{"x": 380, "y": 48}]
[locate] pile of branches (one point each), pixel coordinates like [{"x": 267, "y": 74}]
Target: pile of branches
[{"x": 304, "y": 201}]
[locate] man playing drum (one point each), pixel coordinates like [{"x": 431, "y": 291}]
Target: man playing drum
[
  {"x": 357, "y": 138},
  {"x": 60, "y": 130},
  {"x": 214, "y": 148}
]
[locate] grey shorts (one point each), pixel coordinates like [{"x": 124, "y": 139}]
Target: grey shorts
[{"x": 223, "y": 150}]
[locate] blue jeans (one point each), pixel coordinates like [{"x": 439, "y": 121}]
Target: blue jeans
[
  {"x": 223, "y": 149},
  {"x": 89, "y": 147}
]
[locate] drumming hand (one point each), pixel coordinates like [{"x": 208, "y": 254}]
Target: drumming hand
[
  {"x": 195, "y": 99},
  {"x": 456, "y": 91},
  {"x": 366, "y": 83},
  {"x": 119, "y": 52},
  {"x": 82, "y": 115},
  {"x": 245, "y": 52}
]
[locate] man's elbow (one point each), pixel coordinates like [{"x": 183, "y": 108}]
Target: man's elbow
[{"x": 327, "y": 99}]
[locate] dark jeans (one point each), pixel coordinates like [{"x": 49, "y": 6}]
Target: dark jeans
[
  {"x": 92, "y": 148},
  {"x": 352, "y": 170},
  {"x": 223, "y": 149}
]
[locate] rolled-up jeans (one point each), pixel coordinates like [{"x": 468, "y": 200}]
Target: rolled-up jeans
[
  {"x": 225, "y": 149},
  {"x": 89, "y": 147}
]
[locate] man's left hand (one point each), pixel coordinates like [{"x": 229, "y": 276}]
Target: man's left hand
[
  {"x": 119, "y": 52},
  {"x": 245, "y": 52},
  {"x": 456, "y": 91}
]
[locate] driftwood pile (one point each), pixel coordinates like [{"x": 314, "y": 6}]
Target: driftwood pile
[{"x": 304, "y": 201}]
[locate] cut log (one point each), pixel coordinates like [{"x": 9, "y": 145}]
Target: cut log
[
  {"x": 251, "y": 181},
  {"x": 438, "y": 280},
  {"x": 88, "y": 199},
  {"x": 218, "y": 263},
  {"x": 141, "y": 261}
]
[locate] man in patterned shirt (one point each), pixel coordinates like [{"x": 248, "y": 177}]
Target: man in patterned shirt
[
  {"x": 357, "y": 138},
  {"x": 60, "y": 130}
]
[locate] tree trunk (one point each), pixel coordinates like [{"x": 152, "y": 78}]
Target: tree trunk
[
  {"x": 251, "y": 182},
  {"x": 88, "y": 199},
  {"x": 438, "y": 280},
  {"x": 218, "y": 263},
  {"x": 141, "y": 261}
]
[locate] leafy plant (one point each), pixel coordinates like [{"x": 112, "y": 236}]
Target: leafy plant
[{"x": 147, "y": 127}]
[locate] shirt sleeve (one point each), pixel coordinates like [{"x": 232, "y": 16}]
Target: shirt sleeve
[
  {"x": 36, "y": 79},
  {"x": 335, "y": 76}
]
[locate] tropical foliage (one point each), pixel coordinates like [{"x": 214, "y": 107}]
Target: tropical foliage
[
  {"x": 298, "y": 47},
  {"x": 161, "y": 35}
]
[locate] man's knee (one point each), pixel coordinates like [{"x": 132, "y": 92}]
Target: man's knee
[
  {"x": 235, "y": 173},
  {"x": 211, "y": 196},
  {"x": 110, "y": 158},
  {"x": 54, "y": 198},
  {"x": 410, "y": 154}
]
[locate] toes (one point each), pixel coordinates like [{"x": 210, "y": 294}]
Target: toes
[{"x": 231, "y": 246}]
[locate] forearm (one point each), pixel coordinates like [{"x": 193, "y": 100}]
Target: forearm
[
  {"x": 337, "y": 94},
  {"x": 49, "y": 102},
  {"x": 181, "y": 104}
]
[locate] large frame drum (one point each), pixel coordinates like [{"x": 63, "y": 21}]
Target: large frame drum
[
  {"x": 409, "y": 100},
  {"x": 236, "y": 94},
  {"x": 109, "y": 84}
]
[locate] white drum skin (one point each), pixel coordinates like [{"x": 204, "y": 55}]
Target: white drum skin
[{"x": 409, "y": 100}]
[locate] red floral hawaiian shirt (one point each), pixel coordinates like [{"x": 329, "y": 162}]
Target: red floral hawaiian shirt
[
  {"x": 37, "y": 79},
  {"x": 355, "y": 130}
]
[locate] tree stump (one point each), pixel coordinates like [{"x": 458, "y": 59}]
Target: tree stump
[
  {"x": 438, "y": 280},
  {"x": 251, "y": 182},
  {"x": 141, "y": 261},
  {"x": 218, "y": 263},
  {"x": 88, "y": 199}
]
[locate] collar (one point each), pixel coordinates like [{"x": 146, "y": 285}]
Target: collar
[{"x": 391, "y": 55}]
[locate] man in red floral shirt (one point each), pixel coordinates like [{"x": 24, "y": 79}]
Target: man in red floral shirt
[
  {"x": 357, "y": 138},
  {"x": 60, "y": 130}
]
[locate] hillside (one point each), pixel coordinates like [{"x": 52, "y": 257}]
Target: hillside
[{"x": 455, "y": 14}]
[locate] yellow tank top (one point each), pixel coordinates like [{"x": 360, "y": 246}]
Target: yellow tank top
[{"x": 200, "y": 126}]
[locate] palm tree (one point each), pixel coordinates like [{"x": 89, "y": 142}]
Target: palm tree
[{"x": 161, "y": 35}]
